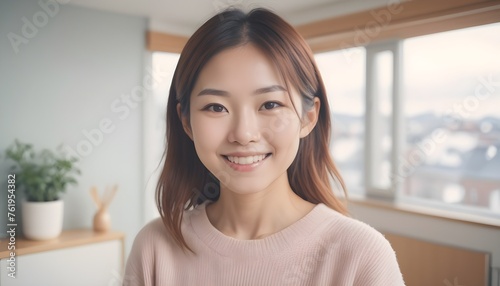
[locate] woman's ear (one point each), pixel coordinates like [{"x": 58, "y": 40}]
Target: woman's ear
[
  {"x": 185, "y": 123},
  {"x": 311, "y": 118}
]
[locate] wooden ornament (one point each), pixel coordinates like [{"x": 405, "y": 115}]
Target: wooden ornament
[{"x": 102, "y": 219}]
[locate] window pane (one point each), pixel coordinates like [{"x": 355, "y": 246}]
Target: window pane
[
  {"x": 452, "y": 104},
  {"x": 163, "y": 66},
  {"x": 163, "y": 70},
  {"x": 343, "y": 73}
]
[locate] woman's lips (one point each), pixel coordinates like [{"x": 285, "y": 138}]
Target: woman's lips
[
  {"x": 246, "y": 160},
  {"x": 246, "y": 163}
]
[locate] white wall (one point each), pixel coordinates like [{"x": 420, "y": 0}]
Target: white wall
[{"x": 67, "y": 78}]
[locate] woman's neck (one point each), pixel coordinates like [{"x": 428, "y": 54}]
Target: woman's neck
[{"x": 257, "y": 215}]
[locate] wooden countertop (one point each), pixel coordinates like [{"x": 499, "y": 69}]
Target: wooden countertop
[{"x": 68, "y": 238}]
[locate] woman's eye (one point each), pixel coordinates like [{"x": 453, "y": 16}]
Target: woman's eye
[
  {"x": 270, "y": 105},
  {"x": 215, "y": 108}
]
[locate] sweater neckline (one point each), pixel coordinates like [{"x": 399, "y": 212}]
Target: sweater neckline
[{"x": 271, "y": 244}]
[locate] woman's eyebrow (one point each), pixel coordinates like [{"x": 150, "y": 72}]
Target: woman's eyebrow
[
  {"x": 212, "y": 91},
  {"x": 271, "y": 88}
]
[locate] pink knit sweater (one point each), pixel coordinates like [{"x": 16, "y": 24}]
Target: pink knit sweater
[{"x": 322, "y": 248}]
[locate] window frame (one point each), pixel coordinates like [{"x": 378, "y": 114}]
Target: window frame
[
  {"x": 399, "y": 19},
  {"x": 371, "y": 119}
]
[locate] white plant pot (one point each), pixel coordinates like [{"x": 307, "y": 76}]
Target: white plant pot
[{"x": 42, "y": 220}]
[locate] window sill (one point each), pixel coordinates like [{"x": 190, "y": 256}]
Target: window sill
[{"x": 425, "y": 211}]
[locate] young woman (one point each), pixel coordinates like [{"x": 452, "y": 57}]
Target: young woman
[{"x": 245, "y": 194}]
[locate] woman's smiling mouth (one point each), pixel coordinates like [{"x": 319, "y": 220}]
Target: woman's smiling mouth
[{"x": 245, "y": 163}]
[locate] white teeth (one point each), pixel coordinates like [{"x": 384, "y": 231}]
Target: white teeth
[{"x": 246, "y": 160}]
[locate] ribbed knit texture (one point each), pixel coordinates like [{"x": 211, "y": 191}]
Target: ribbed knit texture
[{"x": 322, "y": 248}]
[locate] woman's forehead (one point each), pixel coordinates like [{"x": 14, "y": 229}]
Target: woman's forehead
[
  {"x": 242, "y": 71},
  {"x": 239, "y": 65}
]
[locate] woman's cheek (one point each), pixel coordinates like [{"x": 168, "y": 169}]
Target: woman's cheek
[
  {"x": 208, "y": 133},
  {"x": 285, "y": 125}
]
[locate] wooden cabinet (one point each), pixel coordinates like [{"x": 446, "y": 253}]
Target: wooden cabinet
[
  {"x": 77, "y": 257},
  {"x": 427, "y": 263}
]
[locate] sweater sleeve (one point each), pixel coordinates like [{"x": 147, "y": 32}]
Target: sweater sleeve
[
  {"x": 140, "y": 267},
  {"x": 379, "y": 266}
]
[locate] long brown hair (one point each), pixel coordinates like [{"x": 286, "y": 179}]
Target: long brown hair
[{"x": 185, "y": 182}]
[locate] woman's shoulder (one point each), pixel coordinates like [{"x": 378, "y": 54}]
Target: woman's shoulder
[
  {"x": 151, "y": 234},
  {"x": 351, "y": 231},
  {"x": 362, "y": 247},
  {"x": 153, "y": 227},
  {"x": 155, "y": 233}
]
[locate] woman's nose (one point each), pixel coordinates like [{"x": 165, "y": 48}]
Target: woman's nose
[{"x": 245, "y": 129}]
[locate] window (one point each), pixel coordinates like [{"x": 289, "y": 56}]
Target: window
[
  {"x": 343, "y": 74},
  {"x": 155, "y": 106},
  {"x": 452, "y": 107},
  {"x": 418, "y": 120}
]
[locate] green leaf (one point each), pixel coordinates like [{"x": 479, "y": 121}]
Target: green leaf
[{"x": 41, "y": 175}]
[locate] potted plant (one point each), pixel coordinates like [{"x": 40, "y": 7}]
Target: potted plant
[{"x": 42, "y": 176}]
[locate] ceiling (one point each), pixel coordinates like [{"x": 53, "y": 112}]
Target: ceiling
[{"x": 183, "y": 17}]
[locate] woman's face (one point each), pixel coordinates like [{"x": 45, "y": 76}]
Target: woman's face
[{"x": 242, "y": 121}]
